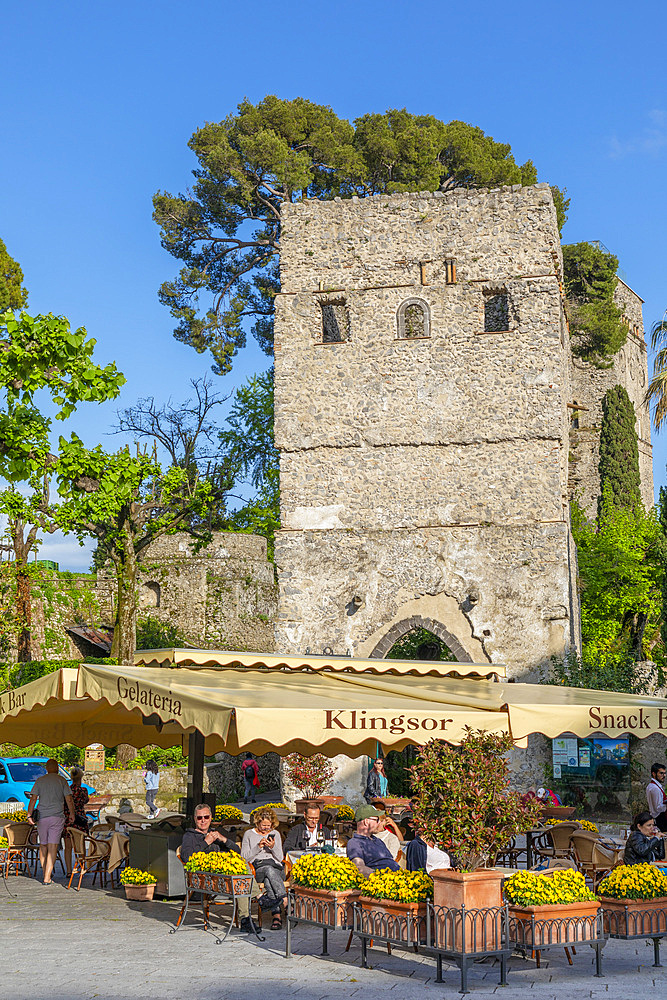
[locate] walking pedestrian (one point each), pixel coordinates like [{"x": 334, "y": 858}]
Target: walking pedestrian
[
  {"x": 152, "y": 782},
  {"x": 250, "y": 775}
]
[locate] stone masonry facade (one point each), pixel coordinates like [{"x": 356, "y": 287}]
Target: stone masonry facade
[
  {"x": 589, "y": 384},
  {"x": 222, "y": 597},
  {"x": 425, "y": 453}
]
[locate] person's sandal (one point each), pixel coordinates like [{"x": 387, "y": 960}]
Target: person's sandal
[{"x": 276, "y": 924}]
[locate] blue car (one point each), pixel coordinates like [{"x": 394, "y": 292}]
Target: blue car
[{"x": 19, "y": 774}]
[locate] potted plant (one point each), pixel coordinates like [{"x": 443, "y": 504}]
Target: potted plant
[
  {"x": 214, "y": 872},
  {"x": 634, "y": 900},
  {"x": 536, "y": 898},
  {"x": 389, "y": 898},
  {"x": 311, "y": 776},
  {"x": 138, "y": 884},
  {"x": 228, "y": 813},
  {"x": 325, "y": 886},
  {"x": 463, "y": 803}
]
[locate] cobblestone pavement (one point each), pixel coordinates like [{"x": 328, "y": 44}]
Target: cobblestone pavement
[{"x": 60, "y": 945}]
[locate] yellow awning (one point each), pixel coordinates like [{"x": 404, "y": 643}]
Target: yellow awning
[
  {"x": 221, "y": 658},
  {"x": 241, "y": 708},
  {"x": 293, "y": 711}
]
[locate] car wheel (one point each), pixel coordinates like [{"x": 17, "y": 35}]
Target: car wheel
[{"x": 12, "y": 800}]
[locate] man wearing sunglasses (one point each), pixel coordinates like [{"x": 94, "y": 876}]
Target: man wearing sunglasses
[{"x": 203, "y": 838}]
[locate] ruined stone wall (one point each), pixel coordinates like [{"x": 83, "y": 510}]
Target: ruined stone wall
[
  {"x": 425, "y": 475},
  {"x": 589, "y": 384},
  {"x": 221, "y": 597}
]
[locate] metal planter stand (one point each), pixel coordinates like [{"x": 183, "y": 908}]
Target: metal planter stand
[
  {"x": 638, "y": 924},
  {"x": 538, "y": 935},
  {"x": 459, "y": 936},
  {"x": 210, "y": 886}
]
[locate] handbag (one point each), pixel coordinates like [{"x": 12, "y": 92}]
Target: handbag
[{"x": 34, "y": 815}]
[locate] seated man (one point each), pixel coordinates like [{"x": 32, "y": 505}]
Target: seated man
[
  {"x": 304, "y": 835},
  {"x": 203, "y": 838},
  {"x": 363, "y": 849}
]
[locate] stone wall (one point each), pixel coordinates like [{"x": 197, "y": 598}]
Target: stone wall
[
  {"x": 221, "y": 597},
  {"x": 425, "y": 476},
  {"x": 224, "y": 777},
  {"x": 130, "y": 784},
  {"x": 589, "y": 384}
]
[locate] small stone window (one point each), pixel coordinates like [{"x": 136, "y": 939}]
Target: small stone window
[
  {"x": 496, "y": 311},
  {"x": 335, "y": 321},
  {"x": 414, "y": 319},
  {"x": 150, "y": 595}
]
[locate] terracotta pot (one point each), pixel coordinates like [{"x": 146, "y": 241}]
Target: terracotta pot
[
  {"x": 300, "y": 805},
  {"x": 326, "y": 906},
  {"x": 479, "y": 927},
  {"x": 530, "y": 926},
  {"x": 474, "y": 890},
  {"x": 331, "y": 800},
  {"x": 557, "y": 812},
  {"x": 388, "y": 918},
  {"x": 139, "y": 891},
  {"x": 634, "y": 917}
]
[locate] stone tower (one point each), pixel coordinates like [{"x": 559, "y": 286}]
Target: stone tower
[
  {"x": 589, "y": 384},
  {"x": 423, "y": 409}
]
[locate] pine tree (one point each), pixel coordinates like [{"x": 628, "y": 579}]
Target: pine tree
[{"x": 619, "y": 453}]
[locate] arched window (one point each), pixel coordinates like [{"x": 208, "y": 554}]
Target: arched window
[
  {"x": 414, "y": 319},
  {"x": 150, "y": 595}
]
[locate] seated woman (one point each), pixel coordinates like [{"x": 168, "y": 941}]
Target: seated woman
[
  {"x": 263, "y": 848},
  {"x": 389, "y": 834},
  {"x": 645, "y": 843}
]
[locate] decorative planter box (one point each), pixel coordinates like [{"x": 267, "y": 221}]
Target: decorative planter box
[
  {"x": 388, "y": 918},
  {"x": 142, "y": 892},
  {"x": 321, "y": 800},
  {"x": 325, "y": 906},
  {"x": 479, "y": 927},
  {"x": 216, "y": 884},
  {"x": 537, "y": 927},
  {"x": 634, "y": 917},
  {"x": 475, "y": 890}
]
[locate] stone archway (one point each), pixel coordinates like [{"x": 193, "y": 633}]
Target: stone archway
[{"x": 401, "y": 628}]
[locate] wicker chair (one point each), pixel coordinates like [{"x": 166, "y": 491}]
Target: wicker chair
[
  {"x": 90, "y": 855},
  {"x": 20, "y": 848},
  {"x": 594, "y": 860},
  {"x": 560, "y": 838}
]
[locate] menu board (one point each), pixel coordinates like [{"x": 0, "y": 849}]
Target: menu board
[{"x": 565, "y": 751}]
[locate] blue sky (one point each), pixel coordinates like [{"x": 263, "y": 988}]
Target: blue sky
[{"x": 98, "y": 101}]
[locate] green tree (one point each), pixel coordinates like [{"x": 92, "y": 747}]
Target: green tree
[
  {"x": 618, "y": 466},
  {"x": 126, "y": 501},
  {"x": 226, "y": 232},
  {"x": 189, "y": 436},
  {"x": 408, "y": 647},
  {"x": 589, "y": 277},
  {"x": 621, "y": 568},
  {"x": 12, "y": 293},
  {"x": 249, "y": 446},
  {"x": 38, "y": 355}
]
